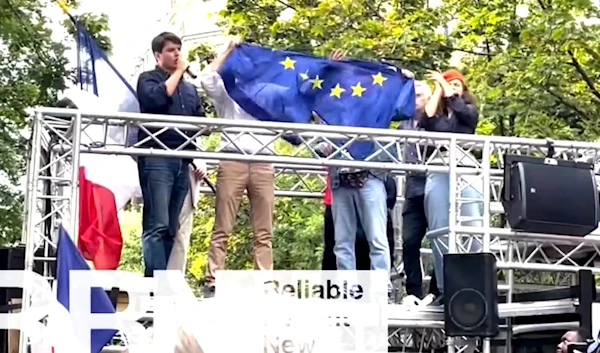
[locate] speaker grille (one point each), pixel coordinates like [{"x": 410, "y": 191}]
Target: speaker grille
[
  {"x": 543, "y": 184},
  {"x": 470, "y": 295},
  {"x": 468, "y": 309}
]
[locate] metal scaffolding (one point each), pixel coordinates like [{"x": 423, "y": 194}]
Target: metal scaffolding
[{"x": 61, "y": 136}]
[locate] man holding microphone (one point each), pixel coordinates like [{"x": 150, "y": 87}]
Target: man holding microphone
[{"x": 165, "y": 181}]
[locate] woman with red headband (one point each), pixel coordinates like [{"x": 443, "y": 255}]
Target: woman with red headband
[{"x": 451, "y": 109}]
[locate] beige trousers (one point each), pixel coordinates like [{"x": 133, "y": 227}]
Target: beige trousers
[{"x": 232, "y": 179}]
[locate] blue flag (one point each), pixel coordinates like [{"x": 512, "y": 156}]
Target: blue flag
[
  {"x": 285, "y": 86},
  {"x": 69, "y": 258}
]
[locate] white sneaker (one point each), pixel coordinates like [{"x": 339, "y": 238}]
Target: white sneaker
[
  {"x": 411, "y": 300},
  {"x": 427, "y": 300}
]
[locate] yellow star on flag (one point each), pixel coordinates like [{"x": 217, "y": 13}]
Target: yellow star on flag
[
  {"x": 337, "y": 91},
  {"x": 304, "y": 75},
  {"x": 316, "y": 82},
  {"x": 378, "y": 79},
  {"x": 357, "y": 90},
  {"x": 288, "y": 63}
]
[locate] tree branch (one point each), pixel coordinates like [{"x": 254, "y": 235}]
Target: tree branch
[
  {"x": 512, "y": 120},
  {"x": 566, "y": 104},
  {"x": 375, "y": 12},
  {"x": 489, "y": 51},
  {"x": 286, "y": 5},
  {"x": 591, "y": 51},
  {"x": 583, "y": 74},
  {"x": 501, "y": 125},
  {"x": 542, "y": 5},
  {"x": 445, "y": 47}
]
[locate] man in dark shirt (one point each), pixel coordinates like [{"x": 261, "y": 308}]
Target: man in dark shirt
[
  {"x": 414, "y": 223},
  {"x": 165, "y": 181}
]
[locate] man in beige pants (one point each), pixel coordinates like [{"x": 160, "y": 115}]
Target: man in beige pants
[{"x": 233, "y": 178}]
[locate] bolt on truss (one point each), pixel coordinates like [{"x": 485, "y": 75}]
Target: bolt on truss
[{"x": 61, "y": 137}]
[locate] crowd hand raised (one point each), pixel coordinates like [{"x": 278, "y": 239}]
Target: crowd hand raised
[{"x": 408, "y": 74}]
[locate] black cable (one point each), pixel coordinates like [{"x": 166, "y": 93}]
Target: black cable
[{"x": 208, "y": 182}]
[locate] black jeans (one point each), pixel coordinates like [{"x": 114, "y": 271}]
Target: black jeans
[
  {"x": 363, "y": 262},
  {"x": 414, "y": 227}
]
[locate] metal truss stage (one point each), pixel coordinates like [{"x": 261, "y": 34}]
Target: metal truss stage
[
  {"x": 62, "y": 136},
  {"x": 421, "y": 329}
]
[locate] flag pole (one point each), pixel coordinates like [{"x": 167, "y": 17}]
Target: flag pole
[{"x": 64, "y": 7}]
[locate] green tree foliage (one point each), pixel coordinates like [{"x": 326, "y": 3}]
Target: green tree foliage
[
  {"x": 534, "y": 76},
  {"x": 402, "y": 31},
  {"x": 32, "y": 72},
  {"x": 131, "y": 229}
]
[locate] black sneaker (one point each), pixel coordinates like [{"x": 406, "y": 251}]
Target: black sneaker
[{"x": 209, "y": 292}]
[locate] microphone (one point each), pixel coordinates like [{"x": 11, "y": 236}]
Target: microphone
[{"x": 189, "y": 72}]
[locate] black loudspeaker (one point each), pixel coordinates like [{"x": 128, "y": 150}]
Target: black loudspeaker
[
  {"x": 550, "y": 196},
  {"x": 10, "y": 259},
  {"x": 470, "y": 295},
  {"x": 13, "y": 258}
]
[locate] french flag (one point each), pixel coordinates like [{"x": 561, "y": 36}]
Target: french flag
[
  {"x": 69, "y": 258},
  {"x": 106, "y": 182}
]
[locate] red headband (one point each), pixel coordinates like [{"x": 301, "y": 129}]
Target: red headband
[{"x": 454, "y": 75}]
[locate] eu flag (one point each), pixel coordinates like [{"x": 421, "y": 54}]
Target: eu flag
[
  {"x": 69, "y": 258},
  {"x": 285, "y": 86}
]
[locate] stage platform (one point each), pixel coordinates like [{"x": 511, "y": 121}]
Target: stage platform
[
  {"x": 421, "y": 329},
  {"x": 62, "y": 137}
]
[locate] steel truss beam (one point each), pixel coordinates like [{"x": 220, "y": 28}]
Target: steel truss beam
[{"x": 60, "y": 136}]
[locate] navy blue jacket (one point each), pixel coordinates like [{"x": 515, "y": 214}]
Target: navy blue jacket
[
  {"x": 152, "y": 95},
  {"x": 464, "y": 120}
]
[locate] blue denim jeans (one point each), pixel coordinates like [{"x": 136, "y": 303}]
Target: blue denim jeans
[
  {"x": 437, "y": 211},
  {"x": 165, "y": 183},
  {"x": 369, "y": 202}
]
